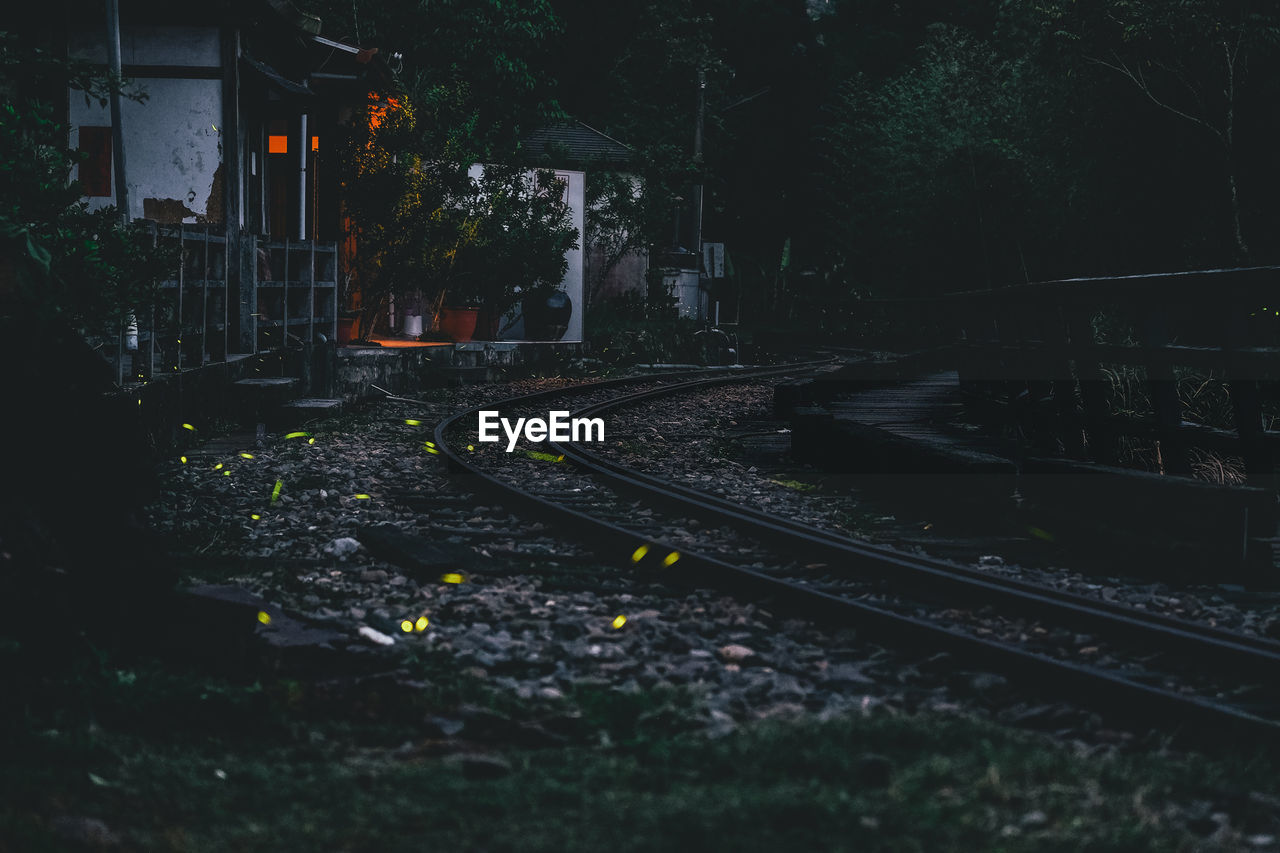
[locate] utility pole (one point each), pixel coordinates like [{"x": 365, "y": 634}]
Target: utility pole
[
  {"x": 117, "y": 157},
  {"x": 697, "y": 190},
  {"x": 117, "y": 128}
]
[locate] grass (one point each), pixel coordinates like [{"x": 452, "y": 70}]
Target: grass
[
  {"x": 179, "y": 760},
  {"x": 797, "y": 485}
]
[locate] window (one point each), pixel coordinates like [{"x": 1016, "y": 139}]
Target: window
[{"x": 95, "y": 169}]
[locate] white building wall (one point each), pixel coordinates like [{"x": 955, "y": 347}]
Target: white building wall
[
  {"x": 173, "y": 139},
  {"x": 573, "y": 277}
]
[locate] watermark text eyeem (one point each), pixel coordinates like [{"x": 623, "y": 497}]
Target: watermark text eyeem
[{"x": 557, "y": 426}]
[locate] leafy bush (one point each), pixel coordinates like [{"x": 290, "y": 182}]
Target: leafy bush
[{"x": 93, "y": 270}]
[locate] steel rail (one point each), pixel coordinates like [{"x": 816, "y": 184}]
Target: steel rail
[
  {"x": 1244, "y": 653},
  {"x": 1075, "y": 682}
]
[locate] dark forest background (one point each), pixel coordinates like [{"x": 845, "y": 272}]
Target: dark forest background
[{"x": 871, "y": 147}]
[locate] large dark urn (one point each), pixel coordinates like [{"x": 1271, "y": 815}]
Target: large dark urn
[{"x": 546, "y": 318}]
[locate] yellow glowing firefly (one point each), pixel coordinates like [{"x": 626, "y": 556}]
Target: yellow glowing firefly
[
  {"x": 619, "y": 621},
  {"x": 407, "y": 626},
  {"x": 182, "y": 459},
  {"x": 451, "y": 577},
  {"x": 255, "y": 516},
  {"x": 638, "y": 554},
  {"x": 218, "y": 467},
  {"x": 297, "y": 435},
  {"x": 311, "y": 441},
  {"x": 264, "y": 617},
  {"x": 671, "y": 558},
  {"x": 275, "y": 493},
  {"x": 413, "y": 422},
  {"x": 189, "y": 426},
  {"x": 246, "y": 455},
  {"x": 421, "y": 624},
  {"x": 362, "y": 497}
]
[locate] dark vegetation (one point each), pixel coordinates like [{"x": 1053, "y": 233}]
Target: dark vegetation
[
  {"x": 864, "y": 147},
  {"x": 851, "y": 148},
  {"x": 259, "y": 762}
]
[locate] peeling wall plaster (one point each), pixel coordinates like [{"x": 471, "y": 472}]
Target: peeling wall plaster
[{"x": 172, "y": 140}]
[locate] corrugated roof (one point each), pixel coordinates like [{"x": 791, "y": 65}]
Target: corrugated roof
[{"x": 582, "y": 144}]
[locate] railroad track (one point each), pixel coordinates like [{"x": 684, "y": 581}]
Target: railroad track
[{"x": 886, "y": 595}]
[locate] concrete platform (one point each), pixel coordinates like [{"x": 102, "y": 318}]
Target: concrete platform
[
  {"x": 403, "y": 367},
  {"x": 910, "y": 439}
]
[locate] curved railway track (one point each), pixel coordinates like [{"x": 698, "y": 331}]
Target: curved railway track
[{"x": 875, "y": 590}]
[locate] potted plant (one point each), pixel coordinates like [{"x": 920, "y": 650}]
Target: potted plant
[{"x": 517, "y": 233}]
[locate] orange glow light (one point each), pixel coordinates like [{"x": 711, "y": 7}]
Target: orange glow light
[
  {"x": 277, "y": 145},
  {"x": 315, "y": 143}
]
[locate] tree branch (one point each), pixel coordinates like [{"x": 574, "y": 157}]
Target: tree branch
[{"x": 1138, "y": 80}]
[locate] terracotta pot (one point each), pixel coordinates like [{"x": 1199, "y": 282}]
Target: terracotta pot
[{"x": 459, "y": 323}]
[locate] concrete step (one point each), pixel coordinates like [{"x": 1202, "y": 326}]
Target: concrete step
[
  {"x": 258, "y": 397},
  {"x": 477, "y": 375},
  {"x": 297, "y": 412}
]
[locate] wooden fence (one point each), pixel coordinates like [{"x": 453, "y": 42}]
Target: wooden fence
[{"x": 1084, "y": 363}]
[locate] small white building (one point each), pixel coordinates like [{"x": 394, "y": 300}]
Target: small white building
[{"x": 613, "y": 262}]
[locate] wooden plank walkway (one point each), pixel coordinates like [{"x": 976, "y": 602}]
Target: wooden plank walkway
[{"x": 927, "y": 410}]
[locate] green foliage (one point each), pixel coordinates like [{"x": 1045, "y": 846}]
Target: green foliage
[
  {"x": 930, "y": 172},
  {"x": 633, "y": 330},
  {"x": 90, "y": 270},
  {"x": 426, "y": 230},
  {"x": 177, "y": 759},
  {"x": 475, "y": 70},
  {"x": 400, "y": 199},
  {"x": 517, "y": 230}
]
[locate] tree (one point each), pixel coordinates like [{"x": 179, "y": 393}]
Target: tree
[
  {"x": 1188, "y": 59},
  {"x": 517, "y": 230},
  {"x": 99, "y": 271},
  {"x": 400, "y": 201},
  {"x": 475, "y": 70},
  {"x": 931, "y": 172}
]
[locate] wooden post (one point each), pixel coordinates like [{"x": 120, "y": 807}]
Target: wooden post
[
  {"x": 1246, "y": 407},
  {"x": 1095, "y": 387},
  {"x": 1163, "y": 386},
  {"x": 1068, "y": 425}
]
